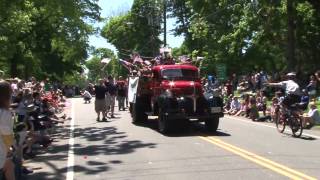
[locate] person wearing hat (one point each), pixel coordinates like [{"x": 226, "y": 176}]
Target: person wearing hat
[
  {"x": 313, "y": 117},
  {"x": 292, "y": 89}
]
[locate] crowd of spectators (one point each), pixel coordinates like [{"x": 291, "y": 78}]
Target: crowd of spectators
[
  {"x": 29, "y": 110},
  {"x": 250, "y": 97}
]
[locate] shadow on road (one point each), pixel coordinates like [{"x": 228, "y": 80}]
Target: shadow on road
[
  {"x": 308, "y": 138},
  {"x": 184, "y": 129},
  {"x": 92, "y": 141},
  {"x": 303, "y": 137}
]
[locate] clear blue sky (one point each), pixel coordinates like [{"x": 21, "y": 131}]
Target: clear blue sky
[{"x": 114, "y": 7}]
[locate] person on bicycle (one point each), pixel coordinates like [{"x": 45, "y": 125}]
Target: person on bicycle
[{"x": 292, "y": 90}]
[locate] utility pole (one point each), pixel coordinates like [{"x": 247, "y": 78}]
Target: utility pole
[{"x": 164, "y": 23}]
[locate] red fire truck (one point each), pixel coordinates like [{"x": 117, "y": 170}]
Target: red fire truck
[{"x": 173, "y": 93}]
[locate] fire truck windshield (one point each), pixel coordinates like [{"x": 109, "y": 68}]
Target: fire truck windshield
[{"x": 179, "y": 74}]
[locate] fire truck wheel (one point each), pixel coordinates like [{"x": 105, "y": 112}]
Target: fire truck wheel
[
  {"x": 163, "y": 122},
  {"x": 212, "y": 124},
  {"x": 138, "y": 115}
]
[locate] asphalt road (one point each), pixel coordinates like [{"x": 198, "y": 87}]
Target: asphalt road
[{"x": 118, "y": 149}]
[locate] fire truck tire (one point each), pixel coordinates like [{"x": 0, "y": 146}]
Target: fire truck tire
[
  {"x": 138, "y": 114},
  {"x": 163, "y": 122},
  {"x": 212, "y": 124}
]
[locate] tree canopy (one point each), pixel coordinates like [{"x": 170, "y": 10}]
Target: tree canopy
[
  {"x": 45, "y": 38},
  {"x": 138, "y": 30},
  {"x": 99, "y": 70},
  {"x": 247, "y": 35}
]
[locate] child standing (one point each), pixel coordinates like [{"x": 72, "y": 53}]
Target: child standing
[{"x": 274, "y": 109}]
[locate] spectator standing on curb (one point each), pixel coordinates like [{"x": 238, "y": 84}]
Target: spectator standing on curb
[
  {"x": 6, "y": 131},
  {"x": 121, "y": 87},
  {"x": 100, "y": 102},
  {"x": 317, "y": 75},
  {"x": 312, "y": 87},
  {"x": 111, "y": 96},
  {"x": 126, "y": 98},
  {"x": 234, "y": 81},
  {"x": 228, "y": 88},
  {"x": 47, "y": 85}
]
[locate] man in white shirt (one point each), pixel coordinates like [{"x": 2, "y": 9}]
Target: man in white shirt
[{"x": 292, "y": 89}]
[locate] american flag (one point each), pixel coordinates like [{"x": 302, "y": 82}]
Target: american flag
[
  {"x": 125, "y": 64},
  {"x": 137, "y": 59}
]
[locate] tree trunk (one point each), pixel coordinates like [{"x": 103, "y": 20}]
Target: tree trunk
[
  {"x": 291, "y": 63},
  {"x": 26, "y": 70},
  {"x": 14, "y": 66}
]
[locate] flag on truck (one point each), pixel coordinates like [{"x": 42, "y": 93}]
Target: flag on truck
[
  {"x": 132, "y": 89},
  {"x": 125, "y": 64}
]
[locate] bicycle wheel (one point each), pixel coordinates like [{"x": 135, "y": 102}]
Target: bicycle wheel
[
  {"x": 280, "y": 122},
  {"x": 296, "y": 126}
]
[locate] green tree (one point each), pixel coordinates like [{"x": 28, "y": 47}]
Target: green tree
[
  {"x": 251, "y": 35},
  {"x": 98, "y": 70},
  {"x": 46, "y": 38},
  {"x": 138, "y": 30}
]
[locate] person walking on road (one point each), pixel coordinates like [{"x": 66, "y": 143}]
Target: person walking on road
[
  {"x": 111, "y": 96},
  {"x": 121, "y": 95},
  {"x": 100, "y": 102}
]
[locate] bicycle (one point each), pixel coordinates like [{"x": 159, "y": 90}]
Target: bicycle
[{"x": 289, "y": 116}]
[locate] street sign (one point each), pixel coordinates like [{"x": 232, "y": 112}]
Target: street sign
[{"x": 221, "y": 72}]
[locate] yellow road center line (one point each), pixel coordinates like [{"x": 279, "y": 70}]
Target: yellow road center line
[
  {"x": 281, "y": 169},
  {"x": 264, "y": 159}
]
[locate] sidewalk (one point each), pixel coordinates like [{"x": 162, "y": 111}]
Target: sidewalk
[{"x": 51, "y": 163}]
